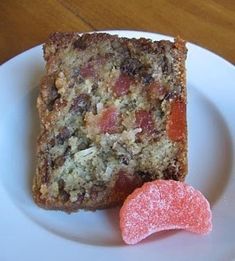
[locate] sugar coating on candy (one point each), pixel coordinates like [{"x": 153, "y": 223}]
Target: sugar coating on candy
[{"x": 163, "y": 205}]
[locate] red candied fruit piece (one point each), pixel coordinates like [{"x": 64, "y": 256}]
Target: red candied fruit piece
[
  {"x": 164, "y": 205},
  {"x": 176, "y": 124},
  {"x": 109, "y": 120},
  {"x": 122, "y": 85},
  {"x": 144, "y": 121}
]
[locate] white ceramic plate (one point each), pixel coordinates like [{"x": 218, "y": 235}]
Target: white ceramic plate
[{"x": 30, "y": 233}]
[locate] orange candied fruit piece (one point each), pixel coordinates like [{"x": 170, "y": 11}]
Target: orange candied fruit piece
[{"x": 176, "y": 124}]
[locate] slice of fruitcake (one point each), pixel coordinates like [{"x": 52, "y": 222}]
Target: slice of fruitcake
[{"x": 113, "y": 116}]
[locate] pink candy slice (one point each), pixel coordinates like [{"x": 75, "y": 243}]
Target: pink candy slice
[{"x": 163, "y": 205}]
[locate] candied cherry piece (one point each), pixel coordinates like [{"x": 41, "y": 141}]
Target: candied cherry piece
[
  {"x": 144, "y": 121},
  {"x": 109, "y": 119},
  {"x": 122, "y": 85}
]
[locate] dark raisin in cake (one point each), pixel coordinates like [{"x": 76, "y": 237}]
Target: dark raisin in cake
[{"x": 113, "y": 116}]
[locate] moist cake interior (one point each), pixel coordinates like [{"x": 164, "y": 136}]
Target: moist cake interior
[{"x": 107, "y": 109}]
